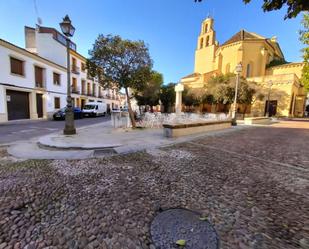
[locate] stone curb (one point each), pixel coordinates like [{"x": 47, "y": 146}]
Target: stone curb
[{"x": 47, "y": 142}]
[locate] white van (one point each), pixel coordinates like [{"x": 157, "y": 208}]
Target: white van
[{"x": 94, "y": 109}]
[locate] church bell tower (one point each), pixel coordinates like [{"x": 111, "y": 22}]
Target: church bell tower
[{"x": 206, "y": 48}]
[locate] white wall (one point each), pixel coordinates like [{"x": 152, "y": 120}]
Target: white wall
[
  {"x": 51, "y": 49},
  {"x": 28, "y": 80}
]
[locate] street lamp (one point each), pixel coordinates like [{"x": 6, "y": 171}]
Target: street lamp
[
  {"x": 238, "y": 71},
  {"x": 269, "y": 83},
  {"x": 68, "y": 30}
]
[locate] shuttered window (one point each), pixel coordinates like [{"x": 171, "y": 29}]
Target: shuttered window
[
  {"x": 57, "y": 102},
  {"x": 83, "y": 66},
  {"x": 56, "y": 79},
  {"x": 38, "y": 71},
  {"x": 17, "y": 66}
]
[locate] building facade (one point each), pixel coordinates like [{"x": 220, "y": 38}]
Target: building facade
[
  {"x": 257, "y": 54},
  {"x": 33, "y": 80}
]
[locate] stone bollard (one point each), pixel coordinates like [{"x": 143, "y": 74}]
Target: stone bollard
[
  {"x": 120, "y": 119},
  {"x": 125, "y": 120},
  {"x": 116, "y": 118}
]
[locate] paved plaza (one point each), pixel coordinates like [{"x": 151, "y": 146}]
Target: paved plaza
[{"x": 252, "y": 184}]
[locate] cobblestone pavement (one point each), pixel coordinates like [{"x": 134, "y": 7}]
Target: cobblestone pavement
[{"x": 252, "y": 184}]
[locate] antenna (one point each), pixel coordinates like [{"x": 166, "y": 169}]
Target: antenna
[{"x": 39, "y": 19}]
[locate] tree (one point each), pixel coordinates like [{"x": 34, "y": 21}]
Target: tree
[
  {"x": 222, "y": 88},
  {"x": 304, "y": 37},
  {"x": 124, "y": 63},
  {"x": 294, "y": 6},
  {"x": 168, "y": 96},
  {"x": 191, "y": 97},
  {"x": 150, "y": 94}
]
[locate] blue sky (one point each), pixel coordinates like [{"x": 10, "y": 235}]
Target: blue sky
[{"x": 169, "y": 27}]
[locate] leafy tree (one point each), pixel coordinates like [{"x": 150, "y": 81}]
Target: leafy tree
[
  {"x": 124, "y": 63},
  {"x": 222, "y": 88},
  {"x": 150, "y": 94},
  {"x": 294, "y": 6},
  {"x": 168, "y": 96},
  {"x": 304, "y": 37},
  {"x": 188, "y": 98},
  {"x": 207, "y": 99}
]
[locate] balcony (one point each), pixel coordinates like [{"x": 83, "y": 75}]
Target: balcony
[
  {"x": 39, "y": 85},
  {"x": 75, "y": 69},
  {"x": 75, "y": 90}
]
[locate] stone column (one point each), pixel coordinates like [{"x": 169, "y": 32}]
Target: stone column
[
  {"x": 33, "y": 107},
  {"x": 178, "y": 105}
]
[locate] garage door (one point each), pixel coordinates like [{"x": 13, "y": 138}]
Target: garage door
[{"x": 17, "y": 105}]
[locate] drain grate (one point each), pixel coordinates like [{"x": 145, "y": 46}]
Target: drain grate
[{"x": 174, "y": 225}]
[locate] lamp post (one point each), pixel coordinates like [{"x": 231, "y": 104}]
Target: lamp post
[
  {"x": 238, "y": 71},
  {"x": 269, "y": 83},
  {"x": 68, "y": 30}
]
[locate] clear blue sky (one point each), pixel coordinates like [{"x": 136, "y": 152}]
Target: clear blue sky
[{"x": 169, "y": 27}]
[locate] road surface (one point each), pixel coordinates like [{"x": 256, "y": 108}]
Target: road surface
[{"x": 24, "y": 130}]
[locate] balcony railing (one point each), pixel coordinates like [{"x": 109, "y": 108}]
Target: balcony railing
[
  {"x": 75, "y": 69},
  {"x": 75, "y": 90},
  {"x": 39, "y": 85}
]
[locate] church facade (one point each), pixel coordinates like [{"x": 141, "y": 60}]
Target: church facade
[{"x": 257, "y": 55}]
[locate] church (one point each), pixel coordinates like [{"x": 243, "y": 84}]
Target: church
[{"x": 262, "y": 62}]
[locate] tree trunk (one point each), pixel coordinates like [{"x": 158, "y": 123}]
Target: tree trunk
[{"x": 130, "y": 109}]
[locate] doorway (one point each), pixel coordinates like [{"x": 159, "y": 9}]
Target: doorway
[
  {"x": 272, "y": 107},
  {"x": 39, "y": 105}
]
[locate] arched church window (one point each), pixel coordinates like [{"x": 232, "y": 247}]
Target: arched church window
[
  {"x": 248, "y": 74},
  {"x": 228, "y": 68},
  {"x": 201, "y": 43},
  {"x": 207, "y": 41}
]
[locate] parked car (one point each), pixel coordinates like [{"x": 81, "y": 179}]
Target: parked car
[
  {"x": 60, "y": 114},
  {"x": 94, "y": 109}
]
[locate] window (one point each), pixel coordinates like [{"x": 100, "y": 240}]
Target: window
[
  {"x": 93, "y": 90},
  {"x": 202, "y": 43},
  {"x": 83, "y": 87},
  {"x": 206, "y": 28},
  {"x": 17, "y": 66},
  {"x": 56, "y": 79},
  {"x": 38, "y": 74},
  {"x": 83, "y": 66},
  {"x": 207, "y": 41},
  {"x": 73, "y": 62},
  {"x": 57, "y": 102},
  {"x": 248, "y": 74}
]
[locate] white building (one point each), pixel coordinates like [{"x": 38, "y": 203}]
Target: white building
[{"x": 33, "y": 81}]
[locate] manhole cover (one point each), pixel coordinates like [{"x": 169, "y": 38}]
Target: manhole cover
[{"x": 173, "y": 225}]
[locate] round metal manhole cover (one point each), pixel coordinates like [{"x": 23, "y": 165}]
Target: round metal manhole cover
[{"x": 185, "y": 226}]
